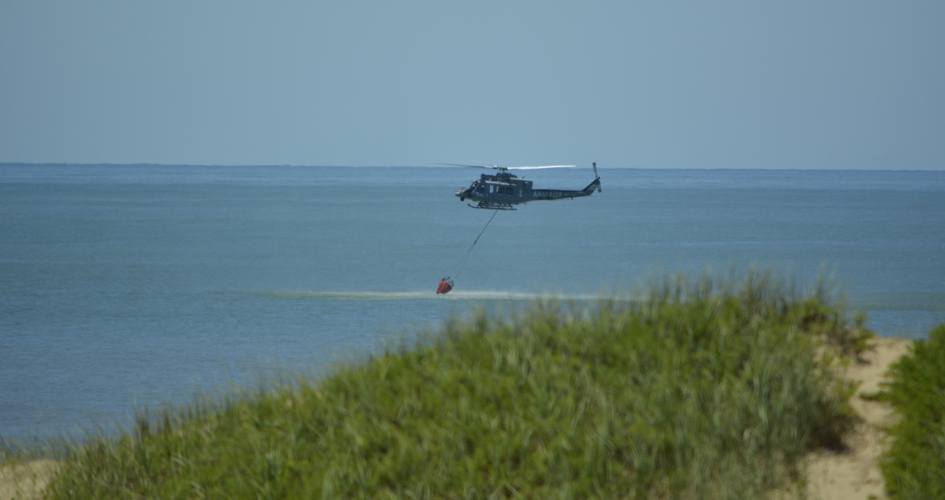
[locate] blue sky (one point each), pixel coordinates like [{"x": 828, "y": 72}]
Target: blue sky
[{"x": 800, "y": 84}]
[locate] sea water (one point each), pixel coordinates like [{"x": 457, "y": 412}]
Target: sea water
[{"x": 132, "y": 286}]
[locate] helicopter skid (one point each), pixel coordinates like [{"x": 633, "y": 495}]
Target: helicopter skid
[{"x": 489, "y": 206}]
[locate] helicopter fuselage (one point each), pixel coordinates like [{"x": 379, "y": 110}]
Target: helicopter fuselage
[{"x": 502, "y": 190}]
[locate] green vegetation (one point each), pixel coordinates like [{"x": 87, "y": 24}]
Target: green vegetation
[
  {"x": 702, "y": 389},
  {"x": 914, "y": 467}
]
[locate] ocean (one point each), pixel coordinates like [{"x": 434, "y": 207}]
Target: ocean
[{"x": 125, "y": 287}]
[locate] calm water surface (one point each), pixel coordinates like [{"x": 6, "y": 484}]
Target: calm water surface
[{"x": 125, "y": 286}]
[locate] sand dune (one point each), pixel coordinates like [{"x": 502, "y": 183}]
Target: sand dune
[{"x": 852, "y": 474}]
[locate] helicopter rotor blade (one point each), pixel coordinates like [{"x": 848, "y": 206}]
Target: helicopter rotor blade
[
  {"x": 498, "y": 167},
  {"x": 470, "y": 166},
  {"x": 542, "y": 166}
]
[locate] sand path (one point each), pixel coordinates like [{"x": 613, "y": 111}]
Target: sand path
[
  {"x": 855, "y": 473},
  {"x": 27, "y": 480}
]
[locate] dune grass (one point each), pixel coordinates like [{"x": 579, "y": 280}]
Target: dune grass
[
  {"x": 914, "y": 467},
  {"x": 702, "y": 389}
]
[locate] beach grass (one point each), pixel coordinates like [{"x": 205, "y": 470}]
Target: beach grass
[
  {"x": 704, "y": 388},
  {"x": 914, "y": 466}
]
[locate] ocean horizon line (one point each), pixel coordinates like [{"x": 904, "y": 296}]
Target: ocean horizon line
[{"x": 433, "y": 166}]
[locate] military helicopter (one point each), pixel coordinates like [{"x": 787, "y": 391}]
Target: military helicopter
[{"x": 502, "y": 190}]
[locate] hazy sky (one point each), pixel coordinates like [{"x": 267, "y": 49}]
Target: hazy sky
[{"x": 753, "y": 84}]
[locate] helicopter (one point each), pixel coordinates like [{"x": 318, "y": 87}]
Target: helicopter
[{"x": 502, "y": 190}]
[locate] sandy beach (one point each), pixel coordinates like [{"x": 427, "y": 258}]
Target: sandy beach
[{"x": 852, "y": 474}]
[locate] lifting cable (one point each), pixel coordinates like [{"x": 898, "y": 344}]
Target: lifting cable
[
  {"x": 468, "y": 252},
  {"x": 480, "y": 232}
]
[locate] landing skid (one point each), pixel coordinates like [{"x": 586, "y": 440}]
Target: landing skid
[{"x": 489, "y": 206}]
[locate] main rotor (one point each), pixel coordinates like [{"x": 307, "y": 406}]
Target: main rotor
[{"x": 504, "y": 169}]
